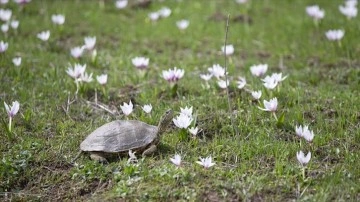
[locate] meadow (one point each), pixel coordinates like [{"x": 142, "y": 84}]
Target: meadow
[{"x": 252, "y": 143}]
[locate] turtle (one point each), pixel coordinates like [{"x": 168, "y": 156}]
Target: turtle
[{"x": 120, "y": 136}]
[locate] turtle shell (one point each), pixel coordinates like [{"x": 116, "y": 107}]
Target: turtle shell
[{"x": 119, "y": 136}]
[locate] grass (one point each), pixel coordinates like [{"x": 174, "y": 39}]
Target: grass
[{"x": 258, "y": 164}]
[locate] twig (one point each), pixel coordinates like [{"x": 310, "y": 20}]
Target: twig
[
  {"x": 68, "y": 103},
  {"x": 20, "y": 193},
  {"x": 101, "y": 106},
  {"x": 229, "y": 165},
  {"x": 226, "y": 78}
]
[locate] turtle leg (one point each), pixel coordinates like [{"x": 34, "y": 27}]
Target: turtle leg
[
  {"x": 151, "y": 149},
  {"x": 98, "y": 156}
]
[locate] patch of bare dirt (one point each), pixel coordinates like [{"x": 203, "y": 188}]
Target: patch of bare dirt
[{"x": 214, "y": 196}]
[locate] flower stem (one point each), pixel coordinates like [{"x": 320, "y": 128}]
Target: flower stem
[
  {"x": 303, "y": 172},
  {"x": 339, "y": 43},
  {"x": 316, "y": 22},
  {"x": 104, "y": 91},
  {"x": 174, "y": 90},
  {"x": 274, "y": 114},
  {"x": 235, "y": 130},
  {"x": 77, "y": 86},
  {"x": 10, "y": 120}
]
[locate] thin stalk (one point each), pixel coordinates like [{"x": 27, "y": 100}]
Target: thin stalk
[
  {"x": 77, "y": 86},
  {"x": 10, "y": 120},
  {"x": 274, "y": 114},
  {"x": 226, "y": 78},
  {"x": 303, "y": 173}
]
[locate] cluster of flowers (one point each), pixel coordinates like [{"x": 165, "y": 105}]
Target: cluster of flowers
[
  {"x": 177, "y": 160},
  {"x": 154, "y": 16},
  {"x": 162, "y": 13},
  {"x": 76, "y": 52},
  {"x": 205, "y": 162},
  {"x": 349, "y": 9},
  {"x": 89, "y": 44},
  {"x": 57, "y": 19},
  {"x": 78, "y": 73},
  {"x": 308, "y": 135},
  {"x": 184, "y": 120},
  {"x": 128, "y": 108},
  {"x": 5, "y": 16}
]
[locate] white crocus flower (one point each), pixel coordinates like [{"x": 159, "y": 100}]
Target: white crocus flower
[
  {"x": 17, "y": 61},
  {"x": 349, "y": 11},
  {"x": 335, "y": 35},
  {"x": 77, "y": 52},
  {"x": 76, "y": 71},
  {"x": 270, "y": 83},
  {"x": 308, "y": 135},
  {"x": 223, "y": 84},
  {"x": 154, "y": 16},
  {"x": 182, "y": 121},
  {"x": 256, "y": 94},
  {"x": 85, "y": 77},
  {"x": 217, "y": 71},
  {"x": 147, "y": 108},
  {"x": 182, "y": 24},
  {"x": 176, "y": 160},
  {"x": 206, "y": 77},
  {"x": 303, "y": 131},
  {"x": 278, "y": 77},
  {"x": 140, "y": 62},
  {"x": 58, "y": 19},
  {"x": 3, "y": 46},
  {"x": 258, "y": 70},
  {"x": 315, "y": 12},
  {"x": 187, "y": 111},
  {"x": 173, "y": 75},
  {"x": 127, "y": 108},
  {"x": 241, "y": 83},
  {"x": 206, "y": 162},
  {"x": 5, "y": 28},
  {"x": 3, "y": 2},
  {"x": 299, "y": 131},
  {"x": 229, "y": 49},
  {"x": 270, "y": 105},
  {"x": 102, "y": 79},
  {"x": 164, "y": 12},
  {"x": 44, "y": 36},
  {"x": 121, "y": 4},
  {"x": 13, "y": 109},
  {"x": 303, "y": 160},
  {"x": 5, "y": 14},
  {"x": 351, "y": 3},
  {"x": 14, "y": 24},
  {"x": 241, "y": 1},
  {"x": 194, "y": 131},
  {"x": 90, "y": 42}
]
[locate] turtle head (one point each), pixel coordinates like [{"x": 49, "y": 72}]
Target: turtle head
[{"x": 165, "y": 121}]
